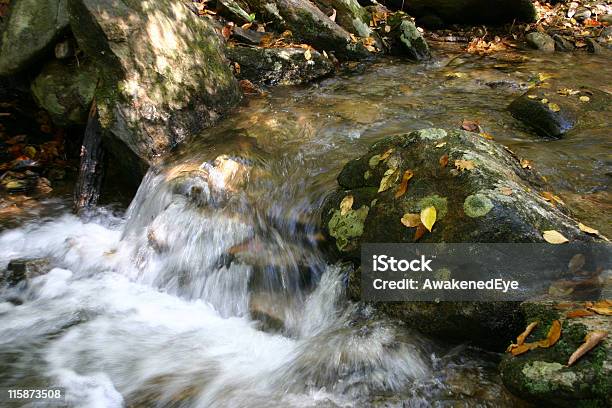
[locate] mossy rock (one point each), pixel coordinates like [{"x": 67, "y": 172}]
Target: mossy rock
[
  {"x": 66, "y": 90},
  {"x": 405, "y": 38},
  {"x": 163, "y": 72},
  {"x": 542, "y": 376},
  {"x": 482, "y": 195},
  {"x": 30, "y": 32}
]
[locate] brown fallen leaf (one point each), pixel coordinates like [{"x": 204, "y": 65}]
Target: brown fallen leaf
[
  {"x": 523, "y": 336},
  {"x": 401, "y": 190},
  {"x": 428, "y": 217},
  {"x": 554, "y": 237},
  {"x": 420, "y": 231},
  {"x": 464, "y": 165},
  {"x": 411, "y": 220},
  {"x": 578, "y": 313},
  {"x": 443, "y": 160},
  {"x": 470, "y": 126},
  {"x": 554, "y": 333},
  {"x": 506, "y": 191},
  {"x": 346, "y": 205},
  {"x": 591, "y": 340}
]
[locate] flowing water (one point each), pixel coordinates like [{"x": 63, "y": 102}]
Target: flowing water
[{"x": 211, "y": 289}]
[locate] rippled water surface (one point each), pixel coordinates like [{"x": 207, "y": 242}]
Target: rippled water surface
[{"x": 212, "y": 290}]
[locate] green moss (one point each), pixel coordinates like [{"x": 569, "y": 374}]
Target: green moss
[
  {"x": 440, "y": 203},
  {"x": 348, "y": 226},
  {"x": 477, "y": 205},
  {"x": 431, "y": 134}
]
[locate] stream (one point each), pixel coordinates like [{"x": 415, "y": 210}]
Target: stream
[{"x": 211, "y": 289}]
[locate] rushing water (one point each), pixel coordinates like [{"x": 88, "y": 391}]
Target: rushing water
[{"x": 211, "y": 289}]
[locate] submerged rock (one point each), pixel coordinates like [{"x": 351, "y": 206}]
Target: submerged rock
[
  {"x": 481, "y": 193},
  {"x": 541, "y": 41},
  {"x": 31, "y": 30},
  {"x": 542, "y": 376},
  {"x": 163, "y": 74},
  {"x": 554, "y": 112},
  {"x": 66, "y": 90},
  {"x": 310, "y": 25},
  {"x": 279, "y": 66}
]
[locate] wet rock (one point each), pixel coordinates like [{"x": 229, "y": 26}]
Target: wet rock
[
  {"x": 30, "y": 32},
  {"x": 593, "y": 46},
  {"x": 406, "y": 39},
  {"x": 581, "y": 14},
  {"x": 310, "y": 25},
  {"x": 469, "y": 11},
  {"x": 562, "y": 44},
  {"x": 349, "y": 15},
  {"x": 248, "y": 36},
  {"x": 27, "y": 182},
  {"x": 541, "y": 376},
  {"x": 269, "y": 310},
  {"x": 65, "y": 49},
  {"x": 541, "y": 41},
  {"x": 552, "y": 114},
  {"x": 279, "y": 66},
  {"x": 20, "y": 270},
  {"x": 163, "y": 74},
  {"x": 495, "y": 201},
  {"x": 66, "y": 90}
]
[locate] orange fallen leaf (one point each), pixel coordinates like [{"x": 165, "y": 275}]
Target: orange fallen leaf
[
  {"x": 578, "y": 313},
  {"x": 554, "y": 333},
  {"x": 523, "y": 348},
  {"x": 591, "y": 340},
  {"x": 443, "y": 160},
  {"x": 464, "y": 165},
  {"x": 523, "y": 336},
  {"x": 420, "y": 231},
  {"x": 401, "y": 190}
]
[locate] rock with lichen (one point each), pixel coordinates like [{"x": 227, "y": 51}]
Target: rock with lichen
[
  {"x": 542, "y": 376},
  {"x": 481, "y": 192},
  {"x": 405, "y": 39},
  {"x": 163, "y": 75}
]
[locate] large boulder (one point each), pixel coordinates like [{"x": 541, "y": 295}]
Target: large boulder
[
  {"x": 66, "y": 90},
  {"x": 405, "y": 39},
  {"x": 481, "y": 192},
  {"x": 469, "y": 11},
  {"x": 310, "y": 25},
  {"x": 349, "y": 15},
  {"x": 552, "y": 112},
  {"x": 542, "y": 376},
  {"x": 163, "y": 75},
  {"x": 30, "y": 32},
  {"x": 279, "y": 66}
]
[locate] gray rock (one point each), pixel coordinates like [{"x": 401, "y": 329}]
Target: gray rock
[
  {"x": 552, "y": 114},
  {"x": 349, "y": 15},
  {"x": 472, "y": 206},
  {"x": 593, "y": 46},
  {"x": 23, "y": 270},
  {"x": 540, "y": 41},
  {"x": 163, "y": 73},
  {"x": 279, "y": 66},
  {"x": 31, "y": 30},
  {"x": 406, "y": 40},
  {"x": 562, "y": 44},
  {"x": 66, "y": 90},
  {"x": 541, "y": 376},
  {"x": 310, "y": 25},
  {"x": 248, "y": 36},
  {"x": 581, "y": 14}
]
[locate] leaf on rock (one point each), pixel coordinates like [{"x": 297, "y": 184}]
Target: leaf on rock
[
  {"x": 554, "y": 237},
  {"x": 401, "y": 190},
  {"x": 506, "y": 191},
  {"x": 307, "y": 55},
  {"x": 428, "y": 217},
  {"x": 604, "y": 311},
  {"x": 346, "y": 205},
  {"x": 420, "y": 231},
  {"x": 587, "y": 229},
  {"x": 591, "y": 340},
  {"x": 523, "y": 336},
  {"x": 388, "y": 179},
  {"x": 411, "y": 220},
  {"x": 487, "y": 136},
  {"x": 470, "y": 126},
  {"x": 464, "y": 165},
  {"x": 554, "y": 107},
  {"x": 441, "y": 144},
  {"x": 584, "y": 98},
  {"x": 444, "y": 161},
  {"x": 523, "y": 348},
  {"x": 526, "y": 164},
  {"x": 374, "y": 160},
  {"x": 554, "y": 333},
  {"x": 386, "y": 155},
  {"x": 578, "y": 313}
]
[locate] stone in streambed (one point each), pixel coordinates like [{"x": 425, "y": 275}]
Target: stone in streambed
[
  {"x": 562, "y": 44},
  {"x": 349, "y": 15},
  {"x": 66, "y": 90},
  {"x": 24, "y": 270},
  {"x": 541, "y": 41},
  {"x": 406, "y": 39},
  {"x": 541, "y": 376},
  {"x": 279, "y": 66},
  {"x": 552, "y": 114},
  {"x": 495, "y": 201},
  {"x": 30, "y": 32},
  {"x": 163, "y": 75}
]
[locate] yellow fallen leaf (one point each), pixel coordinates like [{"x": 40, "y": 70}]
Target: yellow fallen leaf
[
  {"x": 544, "y": 101},
  {"x": 307, "y": 55},
  {"x": 411, "y": 220},
  {"x": 486, "y": 135},
  {"x": 554, "y": 107},
  {"x": 428, "y": 217},
  {"x": 401, "y": 190},
  {"x": 389, "y": 178},
  {"x": 584, "y": 98},
  {"x": 464, "y": 165},
  {"x": 374, "y": 160},
  {"x": 532, "y": 96},
  {"x": 346, "y": 205},
  {"x": 591, "y": 340},
  {"x": 604, "y": 311},
  {"x": 587, "y": 229},
  {"x": 441, "y": 144},
  {"x": 554, "y": 237}
]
